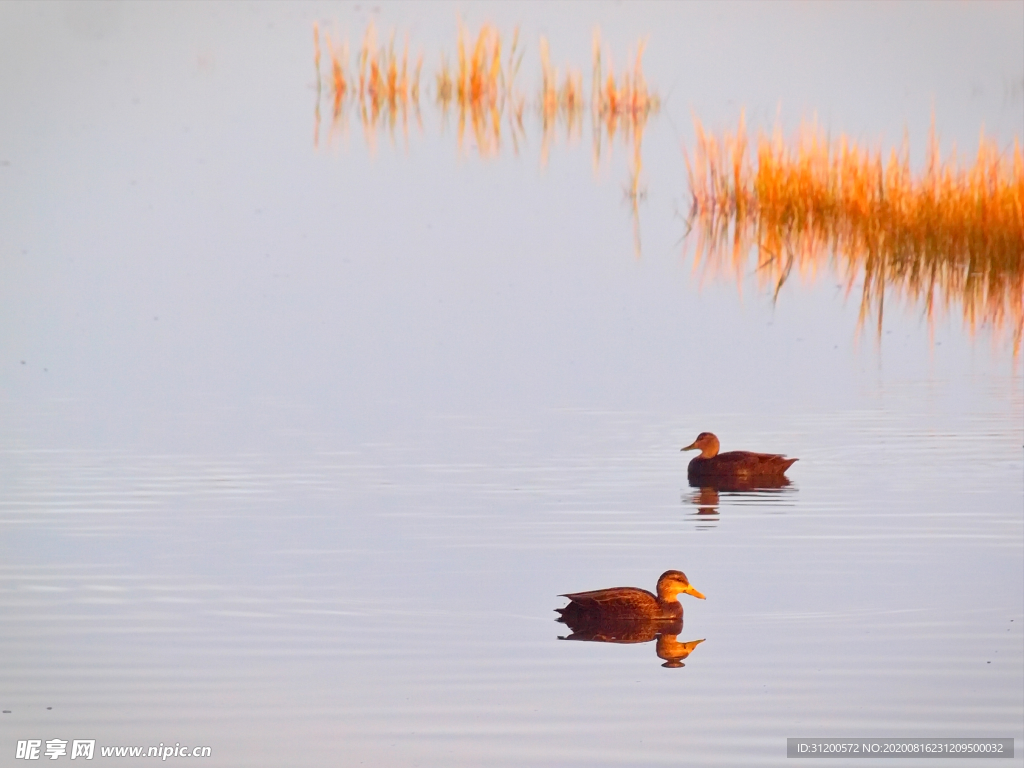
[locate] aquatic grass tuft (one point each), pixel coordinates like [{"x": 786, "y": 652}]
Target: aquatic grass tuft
[
  {"x": 950, "y": 234},
  {"x": 482, "y": 87},
  {"x": 479, "y": 87},
  {"x": 622, "y": 107},
  {"x": 561, "y": 101},
  {"x": 381, "y": 85}
]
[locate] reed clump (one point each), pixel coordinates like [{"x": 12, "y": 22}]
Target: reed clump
[
  {"x": 479, "y": 86},
  {"x": 561, "y": 101},
  {"x": 381, "y": 85},
  {"x": 622, "y": 106},
  {"x": 951, "y": 234},
  {"x": 387, "y": 88},
  {"x": 627, "y": 98}
]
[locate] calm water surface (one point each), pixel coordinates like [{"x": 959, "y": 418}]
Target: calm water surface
[{"x": 300, "y": 444}]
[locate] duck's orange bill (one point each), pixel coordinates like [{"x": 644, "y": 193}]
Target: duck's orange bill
[
  {"x": 690, "y": 447},
  {"x": 688, "y": 589}
]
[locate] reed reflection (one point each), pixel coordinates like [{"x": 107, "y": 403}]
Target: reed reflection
[
  {"x": 380, "y": 87},
  {"x": 665, "y": 632},
  {"x": 950, "y": 235},
  {"x": 480, "y": 90}
]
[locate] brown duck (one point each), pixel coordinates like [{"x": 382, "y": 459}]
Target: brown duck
[
  {"x": 630, "y": 602},
  {"x": 733, "y": 465}
]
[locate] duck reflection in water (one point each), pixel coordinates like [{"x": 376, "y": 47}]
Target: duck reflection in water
[
  {"x": 706, "y": 500},
  {"x": 631, "y": 615},
  {"x": 615, "y": 630},
  {"x": 708, "y": 497},
  {"x": 734, "y": 470}
]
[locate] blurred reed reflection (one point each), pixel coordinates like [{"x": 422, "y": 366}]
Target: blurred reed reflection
[
  {"x": 619, "y": 630},
  {"x": 479, "y": 89},
  {"x": 950, "y": 235}
]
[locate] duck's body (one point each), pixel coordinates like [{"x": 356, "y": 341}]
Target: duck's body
[
  {"x": 732, "y": 465},
  {"x": 616, "y": 629},
  {"x": 620, "y": 602},
  {"x": 630, "y": 602}
]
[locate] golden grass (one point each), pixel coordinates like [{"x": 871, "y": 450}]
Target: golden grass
[
  {"x": 628, "y": 98},
  {"x": 952, "y": 234},
  {"x": 480, "y": 88},
  {"x": 561, "y": 100},
  {"x": 380, "y": 87},
  {"x": 622, "y": 108},
  {"x": 319, "y": 85}
]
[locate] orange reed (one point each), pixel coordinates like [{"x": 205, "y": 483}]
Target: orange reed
[{"x": 951, "y": 234}]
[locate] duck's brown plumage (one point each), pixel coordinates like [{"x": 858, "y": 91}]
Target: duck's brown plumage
[
  {"x": 630, "y": 602},
  {"x": 617, "y": 629},
  {"x": 733, "y": 465}
]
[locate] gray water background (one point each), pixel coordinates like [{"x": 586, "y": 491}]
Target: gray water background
[{"x": 300, "y": 444}]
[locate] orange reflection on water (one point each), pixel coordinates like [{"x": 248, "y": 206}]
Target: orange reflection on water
[
  {"x": 380, "y": 87},
  {"x": 481, "y": 90},
  {"x": 561, "y": 101},
  {"x": 482, "y": 87},
  {"x": 386, "y": 88},
  {"x": 623, "y": 108},
  {"x": 952, "y": 234}
]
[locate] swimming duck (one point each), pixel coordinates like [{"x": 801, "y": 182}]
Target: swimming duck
[
  {"x": 734, "y": 465},
  {"x": 630, "y": 602}
]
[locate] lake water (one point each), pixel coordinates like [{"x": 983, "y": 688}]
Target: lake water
[{"x": 301, "y": 441}]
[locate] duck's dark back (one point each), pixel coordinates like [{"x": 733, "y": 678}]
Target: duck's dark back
[{"x": 739, "y": 464}]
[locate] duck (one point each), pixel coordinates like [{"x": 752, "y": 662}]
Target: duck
[
  {"x": 733, "y": 465},
  {"x": 616, "y": 629},
  {"x": 630, "y": 602}
]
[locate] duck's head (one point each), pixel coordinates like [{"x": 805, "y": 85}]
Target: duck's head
[
  {"x": 672, "y": 583},
  {"x": 706, "y": 443}
]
